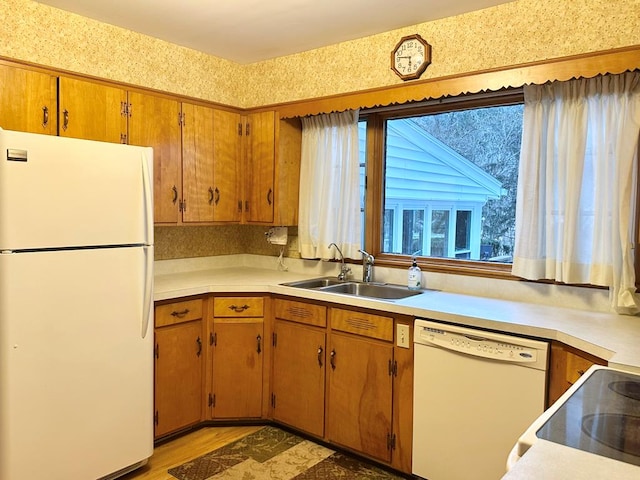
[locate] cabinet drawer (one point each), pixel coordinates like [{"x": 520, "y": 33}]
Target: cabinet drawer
[
  {"x": 301, "y": 312},
  {"x": 238, "y": 307},
  {"x": 178, "y": 312},
  {"x": 366, "y": 324}
]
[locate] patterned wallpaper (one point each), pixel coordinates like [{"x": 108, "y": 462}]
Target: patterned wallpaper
[{"x": 512, "y": 33}]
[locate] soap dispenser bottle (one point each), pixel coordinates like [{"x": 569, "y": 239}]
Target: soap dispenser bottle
[{"x": 415, "y": 275}]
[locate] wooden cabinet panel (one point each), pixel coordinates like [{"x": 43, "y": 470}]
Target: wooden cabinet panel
[
  {"x": 178, "y": 376},
  {"x": 299, "y": 376},
  {"x": 178, "y": 312},
  {"x": 28, "y": 100},
  {"x": 301, "y": 312},
  {"x": 360, "y": 395},
  {"x": 91, "y": 111},
  {"x": 154, "y": 121},
  {"x": 566, "y": 366},
  {"x": 260, "y": 160},
  {"x": 287, "y": 171},
  {"x": 237, "y": 369},
  {"x": 197, "y": 163},
  {"x": 365, "y": 324},
  {"x": 238, "y": 307},
  {"x": 227, "y": 154}
]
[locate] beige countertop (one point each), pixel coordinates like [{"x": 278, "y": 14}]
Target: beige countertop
[{"x": 612, "y": 337}]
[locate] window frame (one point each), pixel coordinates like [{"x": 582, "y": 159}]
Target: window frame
[{"x": 375, "y": 172}]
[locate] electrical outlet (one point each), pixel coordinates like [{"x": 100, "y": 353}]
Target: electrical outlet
[{"x": 402, "y": 335}]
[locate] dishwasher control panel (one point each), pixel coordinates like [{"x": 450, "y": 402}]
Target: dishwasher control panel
[{"x": 478, "y": 343}]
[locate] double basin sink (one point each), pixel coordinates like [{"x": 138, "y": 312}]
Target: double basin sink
[{"x": 382, "y": 291}]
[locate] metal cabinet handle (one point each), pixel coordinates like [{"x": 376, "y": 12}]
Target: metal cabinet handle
[
  {"x": 320, "y": 350},
  {"x": 175, "y": 194},
  {"x": 180, "y": 314},
  {"x": 333, "y": 359},
  {"x": 45, "y": 116},
  {"x": 199, "y": 342},
  {"x": 217, "y": 199},
  {"x": 238, "y": 309},
  {"x": 259, "y": 339},
  {"x": 65, "y": 121},
  {"x": 210, "y": 196},
  {"x": 270, "y": 196}
]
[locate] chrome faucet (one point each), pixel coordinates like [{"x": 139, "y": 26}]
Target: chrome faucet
[
  {"x": 344, "y": 270},
  {"x": 367, "y": 266}
]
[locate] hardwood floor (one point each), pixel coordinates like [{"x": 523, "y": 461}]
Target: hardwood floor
[{"x": 185, "y": 448}]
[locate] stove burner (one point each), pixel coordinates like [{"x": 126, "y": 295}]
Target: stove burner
[
  {"x": 616, "y": 430},
  {"x": 629, "y": 389}
]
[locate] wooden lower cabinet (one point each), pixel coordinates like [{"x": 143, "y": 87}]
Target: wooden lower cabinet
[
  {"x": 178, "y": 366},
  {"x": 360, "y": 382},
  {"x": 237, "y": 345},
  {"x": 298, "y": 379},
  {"x": 566, "y": 366}
]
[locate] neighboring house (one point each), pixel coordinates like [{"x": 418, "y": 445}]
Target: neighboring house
[{"x": 433, "y": 195}]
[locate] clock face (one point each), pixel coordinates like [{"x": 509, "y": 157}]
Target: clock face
[{"x": 411, "y": 57}]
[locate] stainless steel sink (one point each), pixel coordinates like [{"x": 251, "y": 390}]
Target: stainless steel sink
[
  {"x": 372, "y": 290},
  {"x": 359, "y": 289},
  {"x": 315, "y": 283}
]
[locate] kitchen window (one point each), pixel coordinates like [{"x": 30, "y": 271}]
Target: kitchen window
[{"x": 441, "y": 180}]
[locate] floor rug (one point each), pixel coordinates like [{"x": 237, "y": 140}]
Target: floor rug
[{"x": 274, "y": 454}]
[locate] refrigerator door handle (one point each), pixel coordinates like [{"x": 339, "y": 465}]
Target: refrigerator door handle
[
  {"x": 148, "y": 199},
  {"x": 148, "y": 289}
]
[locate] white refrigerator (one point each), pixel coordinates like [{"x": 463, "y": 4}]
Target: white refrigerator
[{"x": 76, "y": 296}]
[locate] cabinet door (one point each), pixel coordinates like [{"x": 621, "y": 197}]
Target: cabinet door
[
  {"x": 91, "y": 111},
  {"x": 237, "y": 369},
  {"x": 227, "y": 154},
  {"x": 197, "y": 163},
  {"x": 178, "y": 376},
  {"x": 260, "y": 148},
  {"x": 155, "y": 122},
  {"x": 27, "y": 100},
  {"x": 299, "y": 376},
  {"x": 360, "y": 394}
]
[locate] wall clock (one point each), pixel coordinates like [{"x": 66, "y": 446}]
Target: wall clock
[{"x": 410, "y": 57}]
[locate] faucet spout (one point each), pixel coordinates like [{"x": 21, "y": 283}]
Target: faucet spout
[
  {"x": 367, "y": 266},
  {"x": 344, "y": 270}
]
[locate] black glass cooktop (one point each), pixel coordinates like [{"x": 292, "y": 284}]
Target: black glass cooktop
[{"x": 601, "y": 417}]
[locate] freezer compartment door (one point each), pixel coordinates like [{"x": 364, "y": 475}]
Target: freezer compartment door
[
  {"x": 65, "y": 192},
  {"x": 76, "y": 370}
]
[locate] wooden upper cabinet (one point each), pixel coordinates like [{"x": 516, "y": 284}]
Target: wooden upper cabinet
[
  {"x": 154, "y": 121},
  {"x": 227, "y": 153},
  {"x": 91, "y": 111},
  {"x": 287, "y": 171},
  {"x": 27, "y": 100},
  {"x": 197, "y": 163},
  {"x": 259, "y": 171}
]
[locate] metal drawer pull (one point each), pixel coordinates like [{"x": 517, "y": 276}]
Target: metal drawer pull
[
  {"x": 259, "y": 338},
  {"x": 199, "y": 342},
  {"x": 235, "y": 308},
  {"x": 180, "y": 314},
  {"x": 333, "y": 359},
  {"x": 175, "y": 194}
]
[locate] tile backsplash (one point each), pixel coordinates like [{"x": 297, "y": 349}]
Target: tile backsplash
[{"x": 206, "y": 241}]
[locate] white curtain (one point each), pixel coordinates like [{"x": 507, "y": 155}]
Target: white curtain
[
  {"x": 577, "y": 185},
  {"x": 329, "y": 186}
]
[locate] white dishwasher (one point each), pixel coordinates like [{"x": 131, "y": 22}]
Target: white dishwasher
[{"x": 475, "y": 393}]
